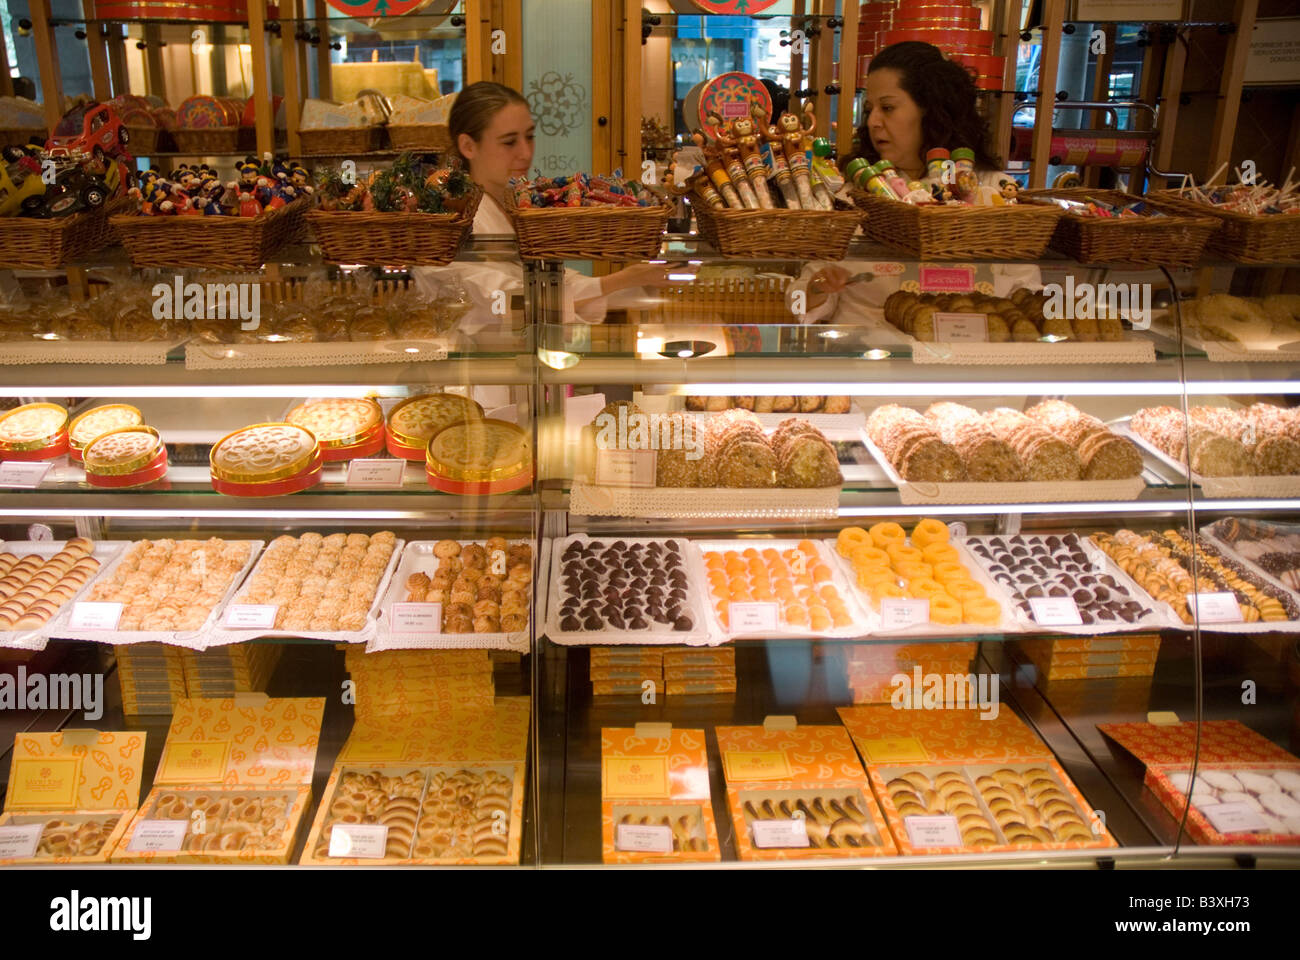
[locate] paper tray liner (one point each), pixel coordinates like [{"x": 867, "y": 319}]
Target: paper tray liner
[{"x": 1198, "y": 825}]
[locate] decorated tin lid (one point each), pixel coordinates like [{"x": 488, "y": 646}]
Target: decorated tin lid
[
  {"x": 263, "y": 453},
  {"x": 32, "y": 426},
  {"x": 122, "y": 451},
  {"x": 96, "y": 421},
  {"x": 415, "y": 421},
  {"x": 480, "y": 450},
  {"x": 337, "y": 422}
]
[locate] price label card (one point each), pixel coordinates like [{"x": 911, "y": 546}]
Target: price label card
[
  {"x": 22, "y": 473},
  {"x": 898, "y": 613},
  {"x": 375, "y": 474},
  {"x": 751, "y": 617},
  {"x": 961, "y": 328},
  {"x": 158, "y": 835},
  {"x": 626, "y": 468},
  {"x": 95, "y": 616},
  {"x": 361, "y": 841},
  {"x": 643, "y": 839},
  {"x": 1232, "y": 817},
  {"x": 21, "y": 841},
  {"x": 417, "y": 618},
  {"x": 933, "y": 831},
  {"x": 1214, "y": 607},
  {"x": 251, "y": 616},
  {"x": 779, "y": 834},
  {"x": 1055, "y": 611},
  {"x": 509, "y": 412}
]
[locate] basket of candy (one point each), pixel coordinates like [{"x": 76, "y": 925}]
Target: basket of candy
[
  {"x": 1260, "y": 223},
  {"x": 587, "y": 217}
]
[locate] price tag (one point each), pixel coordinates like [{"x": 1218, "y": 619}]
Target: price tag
[
  {"x": 898, "y": 613},
  {"x": 158, "y": 835},
  {"x": 1055, "y": 611},
  {"x": 23, "y": 473},
  {"x": 933, "y": 831},
  {"x": 643, "y": 839},
  {"x": 510, "y": 412},
  {"x": 87, "y": 615},
  {"x": 375, "y": 474},
  {"x": 626, "y": 468},
  {"x": 778, "y": 834},
  {"x": 1232, "y": 817},
  {"x": 21, "y": 841},
  {"x": 362, "y": 841},
  {"x": 580, "y": 411},
  {"x": 946, "y": 279},
  {"x": 251, "y": 616},
  {"x": 1214, "y": 607},
  {"x": 961, "y": 328},
  {"x": 753, "y": 617},
  {"x": 417, "y": 618}
]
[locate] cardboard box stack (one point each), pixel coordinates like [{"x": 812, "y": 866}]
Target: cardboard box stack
[
  {"x": 152, "y": 676},
  {"x": 622, "y": 670},
  {"x": 690, "y": 671},
  {"x": 1085, "y": 658},
  {"x": 871, "y": 668},
  {"x": 226, "y": 671},
  {"x": 676, "y": 671},
  {"x": 397, "y": 686}
]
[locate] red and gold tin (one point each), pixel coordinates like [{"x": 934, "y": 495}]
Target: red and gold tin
[
  {"x": 265, "y": 460},
  {"x": 345, "y": 428},
  {"x": 219, "y": 11},
  {"x": 415, "y": 421},
  {"x": 96, "y": 422},
  {"x": 34, "y": 431},
  {"x": 125, "y": 457},
  {"x": 480, "y": 456}
]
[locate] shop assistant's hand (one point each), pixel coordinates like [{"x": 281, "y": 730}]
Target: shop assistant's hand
[{"x": 653, "y": 275}]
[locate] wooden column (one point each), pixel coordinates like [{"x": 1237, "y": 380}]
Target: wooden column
[
  {"x": 820, "y": 75},
  {"x": 1171, "y": 85},
  {"x": 1101, "y": 90},
  {"x": 797, "y": 59},
  {"x": 848, "y": 78},
  {"x": 261, "y": 77},
  {"x": 632, "y": 108},
  {"x": 115, "y": 45},
  {"x": 6, "y": 81},
  {"x": 1234, "y": 68},
  {"x": 98, "y": 54},
  {"x": 324, "y": 80},
  {"x": 602, "y": 96},
  {"x": 47, "y": 61},
  {"x": 1053, "y": 20},
  {"x": 1009, "y": 29},
  {"x": 476, "y": 34},
  {"x": 513, "y": 24},
  {"x": 155, "y": 75},
  {"x": 291, "y": 49}
]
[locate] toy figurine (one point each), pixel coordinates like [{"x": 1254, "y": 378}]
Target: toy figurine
[{"x": 738, "y": 136}]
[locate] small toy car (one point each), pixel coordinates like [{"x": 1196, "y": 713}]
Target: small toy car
[{"x": 102, "y": 134}]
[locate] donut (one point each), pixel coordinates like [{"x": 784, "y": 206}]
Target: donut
[
  {"x": 851, "y": 537},
  {"x": 929, "y": 531},
  {"x": 914, "y": 569},
  {"x": 945, "y": 610},
  {"x": 887, "y": 532},
  {"x": 865, "y": 555},
  {"x": 870, "y": 576},
  {"x": 925, "y": 588},
  {"x": 946, "y": 570},
  {"x": 900, "y": 552},
  {"x": 983, "y": 610},
  {"x": 881, "y": 590},
  {"x": 964, "y": 591}
]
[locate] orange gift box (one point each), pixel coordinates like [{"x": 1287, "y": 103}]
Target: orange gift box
[
  {"x": 700, "y": 673},
  {"x": 491, "y": 742},
  {"x": 689, "y": 656},
  {"x": 69, "y": 779},
  {"x": 692, "y": 688},
  {"x": 654, "y": 781},
  {"x": 894, "y": 743},
  {"x": 247, "y": 762},
  {"x": 1159, "y": 778},
  {"x": 810, "y": 773}
]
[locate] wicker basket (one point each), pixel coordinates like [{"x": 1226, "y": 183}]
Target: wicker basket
[
  {"x": 218, "y": 243},
  {"x": 589, "y": 233},
  {"x": 340, "y": 141},
  {"x": 1171, "y": 241},
  {"x": 1018, "y": 231},
  {"x": 208, "y": 141},
  {"x": 50, "y": 244},
  {"x": 420, "y": 137},
  {"x": 393, "y": 239},
  {"x": 724, "y": 300},
  {"x": 1243, "y": 237},
  {"x": 21, "y": 136},
  {"x": 144, "y": 140},
  {"x": 819, "y": 234}
]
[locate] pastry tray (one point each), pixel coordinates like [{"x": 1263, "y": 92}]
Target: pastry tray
[
  {"x": 35, "y": 638},
  {"x": 1283, "y": 348},
  {"x": 1279, "y": 487},
  {"x": 1128, "y": 350},
  {"x": 859, "y": 617},
  {"x": 656, "y": 811},
  {"x": 1159, "y": 615},
  {"x": 1026, "y": 491},
  {"x": 685, "y": 503},
  {"x": 700, "y": 636},
  {"x": 1259, "y": 626},
  {"x": 740, "y": 793},
  {"x": 139, "y": 353},
  {"x": 218, "y": 636},
  {"x": 418, "y": 557},
  {"x": 1007, "y": 624},
  {"x": 195, "y": 640},
  {"x": 201, "y": 355}
]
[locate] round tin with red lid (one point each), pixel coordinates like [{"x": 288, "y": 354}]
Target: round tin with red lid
[
  {"x": 125, "y": 457},
  {"x": 34, "y": 431}
]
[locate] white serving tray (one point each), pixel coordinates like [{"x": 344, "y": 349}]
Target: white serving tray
[
  {"x": 685, "y": 503},
  {"x": 1280, "y": 487},
  {"x": 195, "y": 640},
  {"x": 1025, "y": 491},
  {"x": 36, "y": 638},
  {"x": 700, "y": 636},
  {"x": 201, "y": 355},
  {"x": 1271, "y": 626},
  {"x": 418, "y": 557}
]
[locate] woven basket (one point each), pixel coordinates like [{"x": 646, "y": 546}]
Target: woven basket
[
  {"x": 724, "y": 300},
  {"x": 50, "y": 244},
  {"x": 1243, "y": 237},
  {"x": 420, "y": 137},
  {"x": 340, "y": 141},
  {"x": 819, "y": 234},
  {"x": 1018, "y": 231},
  {"x": 218, "y": 243},
  {"x": 20, "y": 136},
  {"x": 393, "y": 239},
  {"x": 210, "y": 140},
  {"x": 1171, "y": 241},
  {"x": 589, "y": 233},
  {"x": 144, "y": 140}
]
